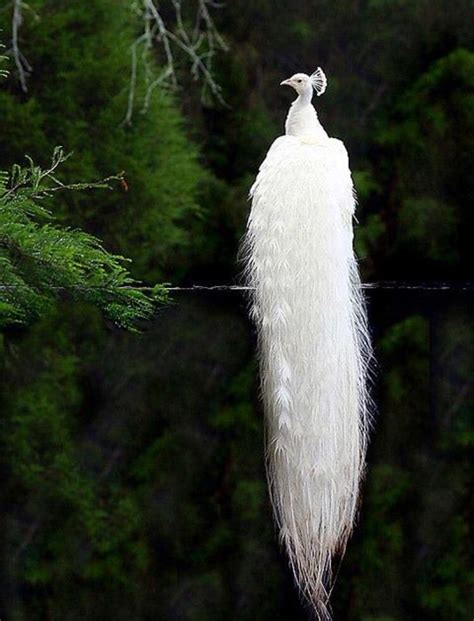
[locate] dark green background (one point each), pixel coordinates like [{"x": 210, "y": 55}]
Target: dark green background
[{"x": 133, "y": 483}]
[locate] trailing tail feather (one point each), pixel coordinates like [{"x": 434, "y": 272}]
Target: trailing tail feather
[{"x": 314, "y": 351}]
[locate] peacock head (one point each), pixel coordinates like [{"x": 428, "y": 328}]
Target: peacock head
[{"x": 303, "y": 82}]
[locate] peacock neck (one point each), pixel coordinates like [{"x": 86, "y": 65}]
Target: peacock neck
[
  {"x": 304, "y": 98},
  {"x": 302, "y": 120}
]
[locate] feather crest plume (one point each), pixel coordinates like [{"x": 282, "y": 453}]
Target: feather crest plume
[
  {"x": 319, "y": 81},
  {"x": 314, "y": 345}
]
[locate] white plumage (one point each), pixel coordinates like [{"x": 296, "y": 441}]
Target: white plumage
[{"x": 313, "y": 340}]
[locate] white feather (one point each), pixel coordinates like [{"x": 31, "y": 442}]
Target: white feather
[
  {"x": 319, "y": 81},
  {"x": 314, "y": 346}
]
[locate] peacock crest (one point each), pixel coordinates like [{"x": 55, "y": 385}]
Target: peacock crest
[{"x": 319, "y": 81}]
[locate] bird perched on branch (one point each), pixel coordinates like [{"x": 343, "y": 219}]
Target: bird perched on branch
[{"x": 314, "y": 345}]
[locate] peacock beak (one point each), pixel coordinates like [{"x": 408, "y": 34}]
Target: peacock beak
[{"x": 286, "y": 82}]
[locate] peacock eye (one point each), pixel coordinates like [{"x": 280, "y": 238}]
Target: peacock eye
[{"x": 300, "y": 80}]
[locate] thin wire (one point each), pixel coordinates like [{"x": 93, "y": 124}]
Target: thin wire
[
  {"x": 427, "y": 286},
  {"x": 387, "y": 285}
]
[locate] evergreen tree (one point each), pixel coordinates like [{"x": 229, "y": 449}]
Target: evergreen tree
[
  {"x": 75, "y": 519},
  {"x": 40, "y": 261},
  {"x": 77, "y": 97}
]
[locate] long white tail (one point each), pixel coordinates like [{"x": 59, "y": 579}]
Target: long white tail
[{"x": 314, "y": 352}]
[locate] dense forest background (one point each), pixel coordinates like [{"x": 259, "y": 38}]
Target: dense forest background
[{"x": 133, "y": 482}]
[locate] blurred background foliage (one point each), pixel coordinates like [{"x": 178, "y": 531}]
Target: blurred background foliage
[{"x": 133, "y": 483}]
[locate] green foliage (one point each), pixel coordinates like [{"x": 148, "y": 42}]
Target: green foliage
[
  {"x": 383, "y": 547},
  {"x": 365, "y": 184},
  {"x": 431, "y": 227},
  {"x": 134, "y": 484},
  {"x": 428, "y": 139},
  {"x": 368, "y": 236},
  {"x": 68, "y": 509},
  {"x": 41, "y": 261},
  {"x": 450, "y": 576},
  {"x": 78, "y": 98}
]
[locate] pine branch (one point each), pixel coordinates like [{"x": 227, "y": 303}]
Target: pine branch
[{"x": 41, "y": 261}]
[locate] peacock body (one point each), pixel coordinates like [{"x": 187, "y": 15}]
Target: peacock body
[{"x": 314, "y": 346}]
